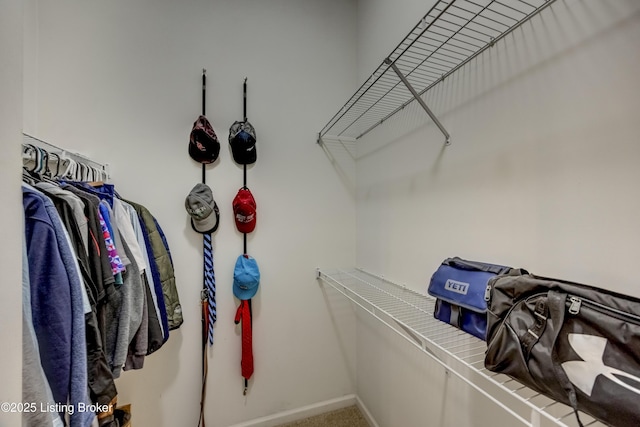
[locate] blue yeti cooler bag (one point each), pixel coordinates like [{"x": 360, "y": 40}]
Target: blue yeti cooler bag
[{"x": 459, "y": 287}]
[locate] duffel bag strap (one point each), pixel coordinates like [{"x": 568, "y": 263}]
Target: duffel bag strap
[
  {"x": 557, "y": 308},
  {"x": 533, "y": 334},
  {"x": 455, "y": 318}
]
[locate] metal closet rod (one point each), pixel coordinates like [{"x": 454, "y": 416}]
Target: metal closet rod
[{"x": 29, "y": 139}]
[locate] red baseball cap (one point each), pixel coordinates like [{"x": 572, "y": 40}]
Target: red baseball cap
[{"x": 244, "y": 211}]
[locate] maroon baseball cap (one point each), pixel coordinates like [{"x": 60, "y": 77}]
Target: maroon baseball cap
[
  {"x": 244, "y": 211},
  {"x": 204, "y": 146}
]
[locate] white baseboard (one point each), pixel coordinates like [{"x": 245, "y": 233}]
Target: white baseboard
[
  {"x": 365, "y": 413},
  {"x": 307, "y": 411}
]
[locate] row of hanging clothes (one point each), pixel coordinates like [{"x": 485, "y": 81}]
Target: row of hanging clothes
[{"x": 99, "y": 291}]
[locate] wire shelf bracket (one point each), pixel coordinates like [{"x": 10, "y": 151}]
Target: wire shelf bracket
[
  {"x": 410, "y": 315},
  {"x": 417, "y": 97},
  {"x": 451, "y": 34}
]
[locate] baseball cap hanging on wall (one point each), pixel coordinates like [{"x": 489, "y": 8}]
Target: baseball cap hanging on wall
[
  {"x": 204, "y": 212},
  {"x": 246, "y": 277},
  {"x": 244, "y": 211},
  {"x": 242, "y": 136},
  {"x": 204, "y": 146},
  {"x": 242, "y": 141}
]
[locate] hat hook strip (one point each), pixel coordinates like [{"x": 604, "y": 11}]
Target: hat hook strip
[
  {"x": 244, "y": 166},
  {"x": 244, "y": 235},
  {"x": 204, "y": 113},
  {"x": 244, "y": 99}
]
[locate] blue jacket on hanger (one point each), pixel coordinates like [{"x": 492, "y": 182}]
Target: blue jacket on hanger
[{"x": 57, "y": 303}]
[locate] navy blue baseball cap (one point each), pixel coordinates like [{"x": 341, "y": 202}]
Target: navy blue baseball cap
[
  {"x": 246, "y": 277},
  {"x": 242, "y": 140}
]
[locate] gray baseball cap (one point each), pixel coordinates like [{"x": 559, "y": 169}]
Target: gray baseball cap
[{"x": 204, "y": 212}]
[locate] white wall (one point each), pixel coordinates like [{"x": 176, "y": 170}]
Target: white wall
[
  {"x": 541, "y": 173},
  {"x": 120, "y": 81},
  {"x": 381, "y": 26},
  {"x": 11, "y": 13}
]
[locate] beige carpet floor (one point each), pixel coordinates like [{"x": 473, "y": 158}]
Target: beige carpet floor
[{"x": 346, "y": 417}]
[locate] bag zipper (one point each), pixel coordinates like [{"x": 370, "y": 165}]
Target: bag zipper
[
  {"x": 574, "y": 308},
  {"x": 575, "y": 303}
]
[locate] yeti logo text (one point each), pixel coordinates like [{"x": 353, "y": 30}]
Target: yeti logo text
[{"x": 457, "y": 287}]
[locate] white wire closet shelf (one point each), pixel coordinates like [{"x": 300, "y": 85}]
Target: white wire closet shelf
[
  {"x": 410, "y": 314},
  {"x": 451, "y": 34}
]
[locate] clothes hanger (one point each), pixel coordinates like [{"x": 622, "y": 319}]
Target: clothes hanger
[
  {"x": 35, "y": 172},
  {"x": 77, "y": 172},
  {"x": 41, "y": 160},
  {"x": 45, "y": 170},
  {"x": 96, "y": 177},
  {"x": 40, "y": 170},
  {"x": 30, "y": 151},
  {"x": 82, "y": 169},
  {"x": 70, "y": 170},
  {"x": 57, "y": 174},
  {"x": 48, "y": 175},
  {"x": 87, "y": 173}
]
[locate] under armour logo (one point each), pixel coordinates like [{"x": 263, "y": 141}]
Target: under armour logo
[{"x": 583, "y": 373}]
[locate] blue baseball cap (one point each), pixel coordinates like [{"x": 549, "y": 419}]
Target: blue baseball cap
[{"x": 246, "y": 277}]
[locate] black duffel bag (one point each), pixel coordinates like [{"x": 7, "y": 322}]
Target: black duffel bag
[{"x": 574, "y": 343}]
